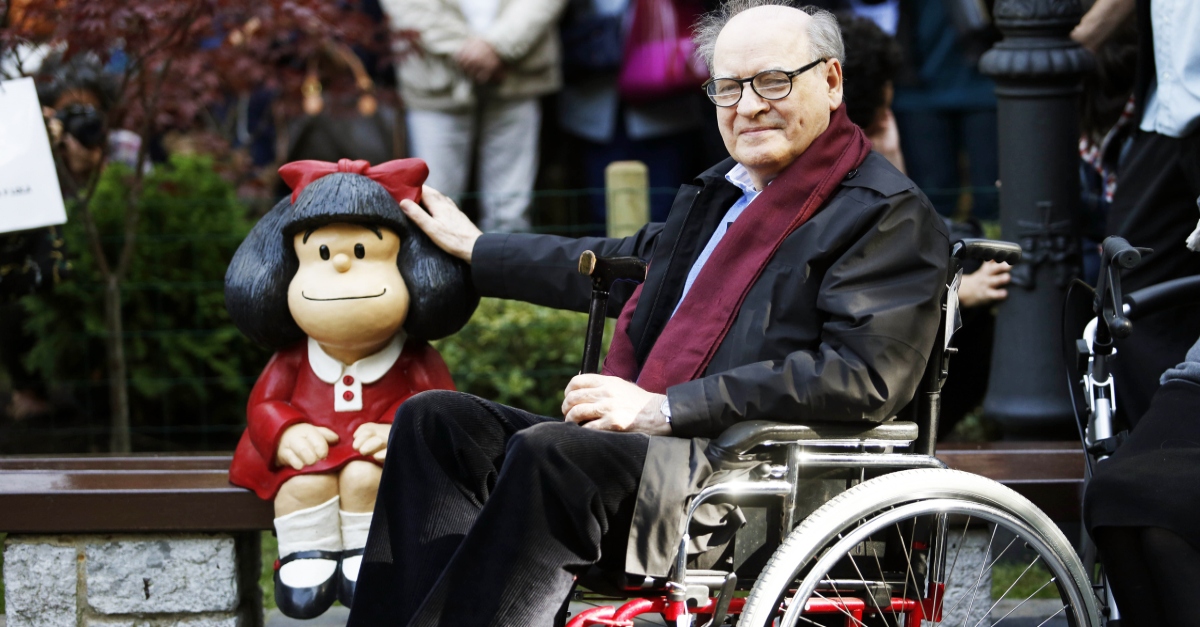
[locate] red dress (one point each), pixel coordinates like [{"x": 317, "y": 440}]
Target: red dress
[{"x": 290, "y": 390}]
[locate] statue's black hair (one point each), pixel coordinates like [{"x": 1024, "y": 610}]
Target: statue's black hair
[{"x": 441, "y": 296}]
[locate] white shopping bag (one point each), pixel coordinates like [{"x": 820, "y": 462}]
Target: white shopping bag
[{"x": 29, "y": 193}]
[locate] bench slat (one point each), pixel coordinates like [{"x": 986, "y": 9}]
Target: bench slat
[{"x": 192, "y": 493}]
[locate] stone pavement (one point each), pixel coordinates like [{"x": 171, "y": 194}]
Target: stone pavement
[
  {"x": 1031, "y": 614},
  {"x": 337, "y": 615}
]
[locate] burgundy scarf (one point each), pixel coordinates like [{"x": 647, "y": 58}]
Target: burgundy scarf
[{"x": 691, "y": 337}]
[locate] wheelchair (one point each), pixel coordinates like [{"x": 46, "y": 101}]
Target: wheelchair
[
  {"x": 1094, "y": 398},
  {"x": 860, "y": 525}
]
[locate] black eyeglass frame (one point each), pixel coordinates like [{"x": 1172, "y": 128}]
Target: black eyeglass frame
[{"x": 742, "y": 83}]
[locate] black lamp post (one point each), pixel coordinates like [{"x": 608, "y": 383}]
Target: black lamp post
[{"x": 1037, "y": 69}]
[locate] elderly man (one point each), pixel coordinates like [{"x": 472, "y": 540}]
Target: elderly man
[{"x": 798, "y": 280}]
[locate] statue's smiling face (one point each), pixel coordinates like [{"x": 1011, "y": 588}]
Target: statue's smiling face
[{"x": 348, "y": 292}]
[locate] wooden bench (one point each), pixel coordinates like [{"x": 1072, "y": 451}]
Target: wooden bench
[
  {"x": 1048, "y": 473},
  {"x": 151, "y": 493},
  {"x": 154, "y": 493}
]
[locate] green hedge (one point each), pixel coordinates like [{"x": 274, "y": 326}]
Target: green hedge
[
  {"x": 190, "y": 370},
  {"x": 518, "y": 354}
]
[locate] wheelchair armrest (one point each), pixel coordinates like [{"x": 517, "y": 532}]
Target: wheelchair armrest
[{"x": 743, "y": 436}]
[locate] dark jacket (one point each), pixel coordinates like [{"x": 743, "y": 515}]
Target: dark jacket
[{"x": 837, "y": 327}]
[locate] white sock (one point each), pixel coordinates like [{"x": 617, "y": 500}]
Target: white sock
[
  {"x": 313, "y": 529},
  {"x": 355, "y": 526}
]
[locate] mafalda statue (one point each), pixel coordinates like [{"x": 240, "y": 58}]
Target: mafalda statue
[{"x": 348, "y": 292}]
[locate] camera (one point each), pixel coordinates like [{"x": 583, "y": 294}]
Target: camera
[{"x": 84, "y": 123}]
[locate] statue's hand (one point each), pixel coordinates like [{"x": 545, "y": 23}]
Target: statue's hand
[
  {"x": 443, "y": 222},
  {"x": 371, "y": 439},
  {"x": 303, "y": 445}
]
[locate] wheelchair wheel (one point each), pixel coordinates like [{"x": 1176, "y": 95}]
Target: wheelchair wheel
[{"x": 924, "y": 547}]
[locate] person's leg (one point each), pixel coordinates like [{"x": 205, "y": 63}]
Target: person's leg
[
  {"x": 596, "y": 157},
  {"x": 931, "y": 155},
  {"x": 444, "y": 141},
  {"x": 980, "y": 140},
  {"x": 1175, "y": 565},
  {"x": 508, "y": 162},
  {"x": 306, "y": 519},
  {"x": 666, "y": 158},
  {"x": 444, "y": 455},
  {"x": 1129, "y": 573},
  {"x": 564, "y": 500},
  {"x": 358, "y": 483}
]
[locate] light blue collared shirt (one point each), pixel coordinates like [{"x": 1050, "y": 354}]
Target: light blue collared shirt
[
  {"x": 740, "y": 177},
  {"x": 1173, "y": 102}
]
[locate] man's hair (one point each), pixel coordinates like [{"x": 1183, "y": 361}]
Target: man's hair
[
  {"x": 824, "y": 36},
  {"x": 872, "y": 59}
]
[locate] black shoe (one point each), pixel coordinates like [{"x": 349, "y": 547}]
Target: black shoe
[
  {"x": 345, "y": 592},
  {"x": 305, "y": 603}
]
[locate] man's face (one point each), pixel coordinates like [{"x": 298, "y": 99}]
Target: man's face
[{"x": 766, "y": 136}]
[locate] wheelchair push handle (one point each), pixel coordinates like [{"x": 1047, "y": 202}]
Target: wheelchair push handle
[
  {"x": 1117, "y": 250},
  {"x": 986, "y": 250},
  {"x": 604, "y": 272},
  {"x": 1116, "y": 254}
]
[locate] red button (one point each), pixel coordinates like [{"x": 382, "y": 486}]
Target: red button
[
  {"x": 348, "y": 380},
  {"x": 348, "y": 395}
]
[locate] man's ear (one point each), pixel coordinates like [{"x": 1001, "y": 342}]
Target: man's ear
[{"x": 833, "y": 79}]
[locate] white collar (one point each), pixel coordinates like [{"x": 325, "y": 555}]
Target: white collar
[
  {"x": 369, "y": 369},
  {"x": 740, "y": 177}
]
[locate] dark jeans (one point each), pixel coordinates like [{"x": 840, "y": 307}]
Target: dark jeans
[
  {"x": 486, "y": 512},
  {"x": 1153, "y": 573},
  {"x": 1155, "y": 206},
  {"x": 933, "y": 142},
  {"x": 670, "y": 161}
]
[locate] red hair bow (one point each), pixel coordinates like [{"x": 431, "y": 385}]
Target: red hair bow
[{"x": 402, "y": 178}]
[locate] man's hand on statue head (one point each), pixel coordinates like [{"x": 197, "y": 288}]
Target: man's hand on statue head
[
  {"x": 371, "y": 440},
  {"x": 606, "y": 403},
  {"x": 443, "y": 222},
  {"x": 303, "y": 445}
]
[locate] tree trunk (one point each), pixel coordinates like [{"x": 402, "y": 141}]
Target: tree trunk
[{"x": 118, "y": 388}]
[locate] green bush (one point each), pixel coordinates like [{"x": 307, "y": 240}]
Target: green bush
[
  {"x": 518, "y": 354},
  {"x": 190, "y": 370}
]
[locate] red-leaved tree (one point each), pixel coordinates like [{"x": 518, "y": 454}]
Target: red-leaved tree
[{"x": 177, "y": 58}]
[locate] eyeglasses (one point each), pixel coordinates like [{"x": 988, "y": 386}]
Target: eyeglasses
[{"x": 769, "y": 85}]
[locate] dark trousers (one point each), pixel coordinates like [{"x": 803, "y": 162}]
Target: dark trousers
[
  {"x": 1153, "y": 574},
  {"x": 1155, "y": 206},
  {"x": 934, "y": 142},
  {"x": 669, "y": 161},
  {"x": 485, "y": 514}
]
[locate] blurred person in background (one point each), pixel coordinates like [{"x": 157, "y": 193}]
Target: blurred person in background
[
  {"x": 872, "y": 62},
  {"x": 1107, "y": 125},
  {"x": 471, "y": 84},
  {"x": 1155, "y": 202},
  {"x": 660, "y": 133},
  {"x": 76, "y": 96},
  {"x": 945, "y": 108}
]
